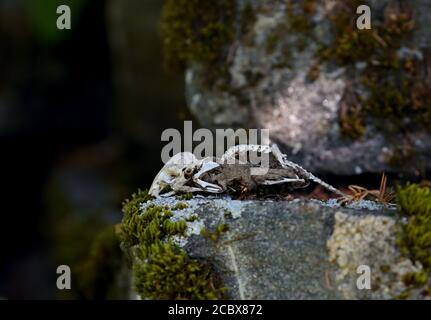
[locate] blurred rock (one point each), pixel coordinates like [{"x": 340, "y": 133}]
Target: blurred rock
[{"x": 276, "y": 81}]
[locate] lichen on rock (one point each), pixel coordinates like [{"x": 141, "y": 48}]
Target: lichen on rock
[
  {"x": 371, "y": 241},
  {"x": 397, "y": 248}
]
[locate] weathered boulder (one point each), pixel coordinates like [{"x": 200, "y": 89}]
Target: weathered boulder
[
  {"x": 294, "y": 249},
  {"x": 336, "y": 99}
]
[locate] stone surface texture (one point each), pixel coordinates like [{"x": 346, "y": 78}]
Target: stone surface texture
[{"x": 295, "y": 249}]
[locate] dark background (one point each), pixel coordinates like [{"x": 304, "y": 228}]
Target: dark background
[{"x": 81, "y": 113}]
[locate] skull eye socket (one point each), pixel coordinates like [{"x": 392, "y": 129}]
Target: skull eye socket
[{"x": 188, "y": 173}]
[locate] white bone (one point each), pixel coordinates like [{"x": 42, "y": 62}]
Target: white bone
[
  {"x": 172, "y": 174},
  {"x": 206, "y": 166},
  {"x": 284, "y": 180},
  {"x": 210, "y": 187}
]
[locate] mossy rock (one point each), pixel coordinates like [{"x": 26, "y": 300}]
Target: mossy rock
[
  {"x": 339, "y": 100},
  {"x": 261, "y": 249},
  {"x": 161, "y": 268}
]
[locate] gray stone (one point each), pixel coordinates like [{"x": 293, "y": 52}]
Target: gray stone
[
  {"x": 295, "y": 249},
  {"x": 270, "y": 90}
]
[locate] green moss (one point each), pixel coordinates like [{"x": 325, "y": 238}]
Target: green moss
[
  {"x": 151, "y": 227},
  {"x": 215, "y": 235},
  {"x": 404, "y": 295},
  {"x": 171, "y": 274},
  {"x": 415, "y": 279},
  {"x": 391, "y": 97},
  {"x": 131, "y": 224},
  {"x": 180, "y": 206},
  {"x": 184, "y": 196},
  {"x": 351, "y": 121},
  {"x": 161, "y": 269},
  {"x": 197, "y": 31},
  {"x": 414, "y": 203},
  {"x": 414, "y": 200},
  {"x": 192, "y": 218},
  {"x": 352, "y": 126},
  {"x": 391, "y": 81},
  {"x": 353, "y": 45}
]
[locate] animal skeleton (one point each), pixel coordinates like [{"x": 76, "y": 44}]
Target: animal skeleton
[{"x": 185, "y": 173}]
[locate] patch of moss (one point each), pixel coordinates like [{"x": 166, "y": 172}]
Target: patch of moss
[
  {"x": 131, "y": 224},
  {"x": 171, "y": 274},
  {"x": 414, "y": 202},
  {"x": 161, "y": 269},
  {"x": 404, "y": 295},
  {"x": 350, "y": 120},
  {"x": 391, "y": 80},
  {"x": 180, "y": 206},
  {"x": 215, "y": 235},
  {"x": 150, "y": 227},
  {"x": 197, "y": 31},
  {"x": 415, "y": 279},
  {"x": 192, "y": 218},
  {"x": 184, "y": 196},
  {"x": 391, "y": 95}
]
